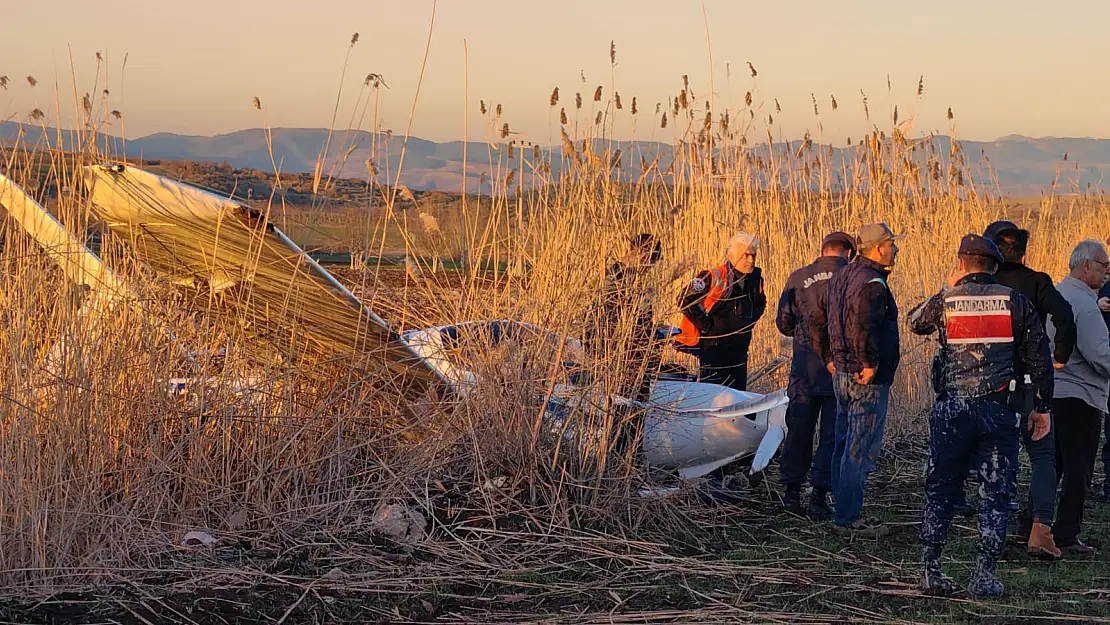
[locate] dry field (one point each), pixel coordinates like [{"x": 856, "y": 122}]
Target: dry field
[{"x": 103, "y": 473}]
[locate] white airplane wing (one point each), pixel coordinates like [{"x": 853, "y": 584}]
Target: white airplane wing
[
  {"x": 79, "y": 264},
  {"x": 199, "y": 238}
]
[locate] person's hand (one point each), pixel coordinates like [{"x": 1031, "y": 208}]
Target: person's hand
[
  {"x": 1039, "y": 425},
  {"x": 1058, "y": 365},
  {"x": 1104, "y": 304},
  {"x": 954, "y": 277},
  {"x": 863, "y": 378},
  {"x": 831, "y": 367}
]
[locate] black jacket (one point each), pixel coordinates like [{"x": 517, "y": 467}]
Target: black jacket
[
  {"x": 623, "y": 295},
  {"x": 801, "y": 315},
  {"x": 1027, "y": 353},
  {"x": 728, "y": 324},
  {"x": 1037, "y": 287},
  {"x": 863, "y": 321}
]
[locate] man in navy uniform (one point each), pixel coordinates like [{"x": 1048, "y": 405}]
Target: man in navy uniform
[
  {"x": 801, "y": 315},
  {"x": 988, "y": 332}
]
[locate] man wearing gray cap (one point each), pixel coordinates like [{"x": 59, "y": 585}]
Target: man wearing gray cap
[
  {"x": 864, "y": 354},
  {"x": 989, "y": 334}
]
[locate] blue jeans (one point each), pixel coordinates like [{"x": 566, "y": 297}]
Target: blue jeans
[
  {"x": 802, "y": 418},
  {"x": 986, "y": 435},
  {"x": 860, "y": 422}
]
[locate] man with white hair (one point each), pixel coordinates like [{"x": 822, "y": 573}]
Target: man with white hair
[
  {"x": 719, "y": 309},
  {"x": 1082, "y": 390}
]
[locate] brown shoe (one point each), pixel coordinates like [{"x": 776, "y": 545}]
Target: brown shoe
[
  {"x": 1041, "y": 544},
  {"x": 863, "y": 529},
  {"x": 1079, "y": 548}
]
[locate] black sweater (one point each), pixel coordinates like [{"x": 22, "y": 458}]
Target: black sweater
[{"x": 1037, "y": 287}]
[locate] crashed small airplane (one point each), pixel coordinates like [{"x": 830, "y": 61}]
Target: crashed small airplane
[
  {"x": 200, "y": 239},
  {"x": 693, "y": 428}
]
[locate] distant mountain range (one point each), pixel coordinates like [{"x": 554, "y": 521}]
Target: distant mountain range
[{"x": 1022, "y": 166}]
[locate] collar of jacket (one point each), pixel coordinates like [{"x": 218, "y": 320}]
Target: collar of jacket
[
  {"x": 1010, "y": 266},
  {"x": 1071, "y": 282},
  {"x": 867, "y": 262},
  {"x": 977, "y": 278},
  {"x": 830, "y": 262},
  {"x": 735, "y": 276}
]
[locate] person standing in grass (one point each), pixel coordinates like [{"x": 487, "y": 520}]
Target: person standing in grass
[
  {"x": 801, "y": 315},
  {"x": 622, "y": 333},
  {"x": 719, "y": 309},
  {"x": 1039, "y": 509},
  {"x": 990, "y": 335},
  {"x": 624, "y": 320},
  {"x": 1082, "y": 392},
  {"x": 863, "y": 357}
]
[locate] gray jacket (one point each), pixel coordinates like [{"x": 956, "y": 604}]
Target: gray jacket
[{"x": 1086, "y": 376}]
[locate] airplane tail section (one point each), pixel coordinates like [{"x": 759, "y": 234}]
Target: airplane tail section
[{"x": 776, "y": 434}]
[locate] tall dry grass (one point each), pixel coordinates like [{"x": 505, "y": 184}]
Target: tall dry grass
[{"x": 103, "y": 470}]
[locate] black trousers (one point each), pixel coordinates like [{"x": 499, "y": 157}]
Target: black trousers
[
  {"x": 630, "y": 425},
  {"x": 1106, "y": 455},
  {"x": 726, "y": 363},
  {"x": 802, "y": 416},
  {"x": 1077, "y": 435}
]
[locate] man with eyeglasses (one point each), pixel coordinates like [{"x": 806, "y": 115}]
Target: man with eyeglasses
[
  {"x": 719, "y": 309},
  {"x": 1082, "y": 391}
]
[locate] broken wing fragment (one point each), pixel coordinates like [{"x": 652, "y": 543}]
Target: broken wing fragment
[{"x": 190, "y": 235}]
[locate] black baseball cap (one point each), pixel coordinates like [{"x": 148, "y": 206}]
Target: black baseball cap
[
  {"x": 840, "y": 237},
  {"x": 998, "y": 227},
  {"x": 975, "y": 245}
]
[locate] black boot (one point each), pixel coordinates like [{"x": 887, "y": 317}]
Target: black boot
[
  {"x": 792, "y": 499},
  {"x": 984, "y": 584},
  {"x": 933, "y": 581},
  {"x": 819, "y": 509}
]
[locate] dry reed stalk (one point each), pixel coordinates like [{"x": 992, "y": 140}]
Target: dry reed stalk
[{"x": 103, "y": 467}]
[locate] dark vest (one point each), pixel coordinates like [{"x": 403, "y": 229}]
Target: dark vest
[
  {"x": 979, "y": 347},
  {"x": 844, "y": 302}
]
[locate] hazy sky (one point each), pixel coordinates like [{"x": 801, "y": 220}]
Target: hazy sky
[{"x": 1004, "y": 66}]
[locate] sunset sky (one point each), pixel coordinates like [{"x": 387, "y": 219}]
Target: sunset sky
[{"x": 1013, "y": 66}]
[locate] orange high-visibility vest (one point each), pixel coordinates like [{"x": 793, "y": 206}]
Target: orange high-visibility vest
[{"x": 719, "y": 283}]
